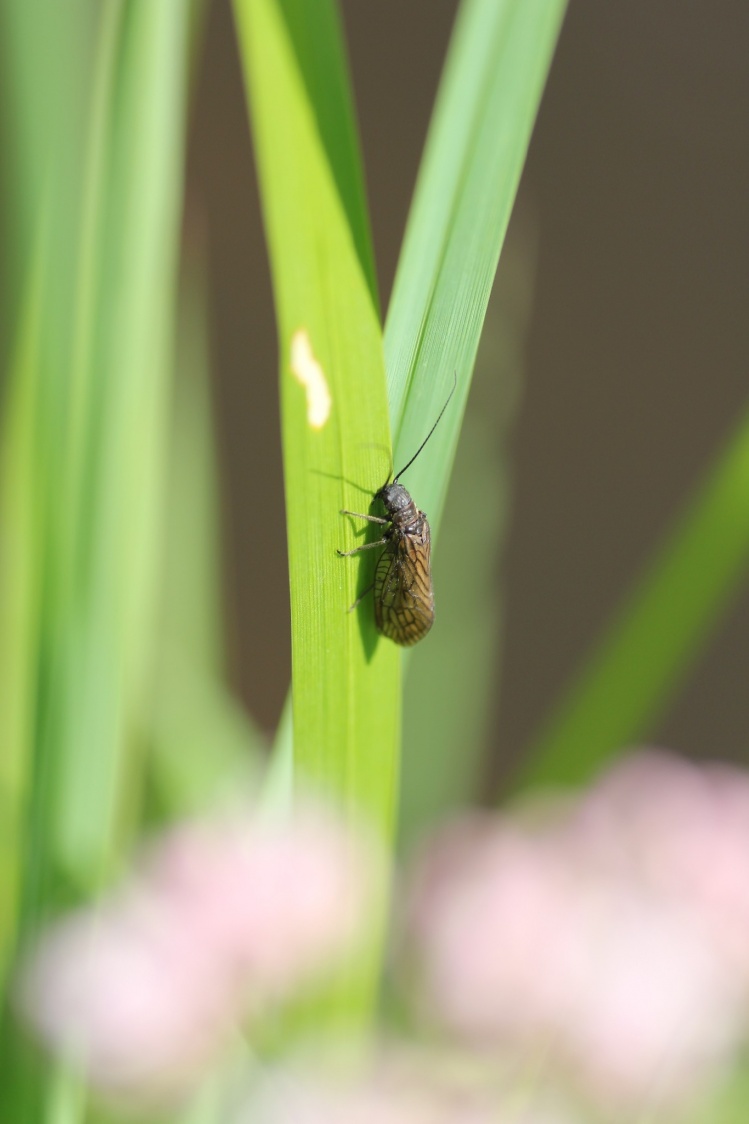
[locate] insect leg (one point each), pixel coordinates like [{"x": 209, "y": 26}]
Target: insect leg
[
  {"x": 369, "y": 518},
  {"x": 364, "y": 546}
]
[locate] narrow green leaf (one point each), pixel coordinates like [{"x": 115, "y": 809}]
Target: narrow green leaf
[
  {"x": 67, "y": 1096},
  {"x": 206, "y": 750},
  {"x": 44, "y": 79},
  {"x": 20, "y": 596},
  {"x": 102, "y": 613},
  {"x": 95, "y": 394},
  {"x": 488, "y": 98},
  {"x": 498, "y": 60},
  {"x": 346, "y": 681},
  {"x": 45, "y": 61},
  {"x": 658, "y": 632},
  {"x": 452, "y": 685}
]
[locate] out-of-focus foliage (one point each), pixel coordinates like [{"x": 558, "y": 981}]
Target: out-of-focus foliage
[{"x": 658, "y": 632}]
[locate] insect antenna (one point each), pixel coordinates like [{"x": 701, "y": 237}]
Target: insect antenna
[{"x": 431, "y": 431}]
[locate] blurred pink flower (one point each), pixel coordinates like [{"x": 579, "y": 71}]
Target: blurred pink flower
[
  {"x": 130, "y": 1000},
  {"x": 685, "y": 827},
  {"x": 275, "y": 903},
  {"x": 222, "y": 919},
  {"x": 596, "y": 934}
]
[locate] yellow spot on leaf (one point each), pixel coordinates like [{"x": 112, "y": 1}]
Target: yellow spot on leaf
[{"x": 310, "y": 374}]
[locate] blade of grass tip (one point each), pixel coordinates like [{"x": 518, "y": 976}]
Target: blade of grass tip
[
  {"x": 278, "y": 786},
  {"x": 497, "y": 64},
  {"x": 660, "y": 629},
  {"x": 346, "y": 681}
]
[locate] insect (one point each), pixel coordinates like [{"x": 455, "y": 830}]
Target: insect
[{"x": 403, "y": 592}]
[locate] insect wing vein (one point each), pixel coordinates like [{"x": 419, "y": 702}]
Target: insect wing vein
[{"x": 404, "y": 603}]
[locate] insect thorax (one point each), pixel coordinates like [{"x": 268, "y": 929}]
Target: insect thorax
[{"x": 401, "y": 509}]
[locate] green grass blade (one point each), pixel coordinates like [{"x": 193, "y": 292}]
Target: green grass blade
[
  {"x": 94, "y": 390},
  {"x": 452, "y": 685},
  {"x": 658, "y": 632},
  {"x": 45, "y": 59},
  {"x": 449, "y": 684},
  {"x": 206, "y": 750},
  {"x": 112, "y": 546},
  {"x": 346, "y": 681},
  {"x": 494, "y": 75},
  {"x": 20, "y": 595},
  {"x": 44, "y": 78},
  {"x": 498, "y": 61}
]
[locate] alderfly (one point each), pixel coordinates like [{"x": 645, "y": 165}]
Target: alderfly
[{"x": 403, "y": 592}]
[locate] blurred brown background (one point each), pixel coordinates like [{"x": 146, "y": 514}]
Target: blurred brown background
[{"x": 637, "y": 183}]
